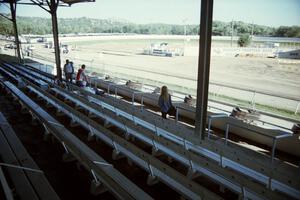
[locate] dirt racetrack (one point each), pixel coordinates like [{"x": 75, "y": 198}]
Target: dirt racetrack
[{"x": 123, "y": 58}]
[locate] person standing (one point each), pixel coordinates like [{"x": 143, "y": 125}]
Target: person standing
[
  {"x": 165, "y": 103},
  {"x": 81, "y": 79},
  {"x": 69, "y": 70}
]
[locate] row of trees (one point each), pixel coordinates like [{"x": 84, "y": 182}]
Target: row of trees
[{"x": 41, "y": 26}]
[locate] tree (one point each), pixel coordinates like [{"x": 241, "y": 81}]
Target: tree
[
  {"x": 38, "y": 25},
  {"x": 244, "y": 40}
]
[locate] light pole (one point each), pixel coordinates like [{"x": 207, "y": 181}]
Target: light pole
[
  {"x": 231, "y": 32},
  {"x": 184, "y": 40},
  {"x": 184, "y": 22}
]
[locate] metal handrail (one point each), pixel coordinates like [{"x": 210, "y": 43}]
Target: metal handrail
[{"x": 274, "y": 138}]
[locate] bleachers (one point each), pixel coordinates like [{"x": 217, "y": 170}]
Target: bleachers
[
  {"x": 148, "y": 162},
  {"x": 28, "y": 180},
  {"x": 284, "y": 144},
  {"x": 159, "y": 133},
  {"x": 113, "y": 180},
  {"x": 192, "y": 160},
  {"x": 183, "y": 135}
]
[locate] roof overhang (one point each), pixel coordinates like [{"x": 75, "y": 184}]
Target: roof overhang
[
  {"x": 76, "y": 1},
  {"x": 43, "y": 2}
]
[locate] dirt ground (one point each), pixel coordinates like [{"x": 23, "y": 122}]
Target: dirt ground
[{"x": 123, "y": 58}]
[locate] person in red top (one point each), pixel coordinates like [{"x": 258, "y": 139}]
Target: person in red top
[{"x": 81, "y": 79}]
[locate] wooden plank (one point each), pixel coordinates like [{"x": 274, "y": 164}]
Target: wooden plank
[
  {"x": 280, "y": 170},
  {"x": 22, "y": 185},
  {"x": 206, "y": 163},
  {"x": 38, "y": 180},
  {"x": 118, "y": 184},
  {"x": 230, "y": 152},
  {"x": 173, "y": 174},
  {"x": 7, "y": 191}
]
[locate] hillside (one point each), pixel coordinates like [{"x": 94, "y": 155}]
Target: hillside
[{"x": 37, "y": 25}]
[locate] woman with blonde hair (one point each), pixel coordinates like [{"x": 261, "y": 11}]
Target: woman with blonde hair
[{"x": 165, "y": 103}]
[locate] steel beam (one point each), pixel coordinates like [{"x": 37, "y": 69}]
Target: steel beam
[
  {"x": 13, "y": 7},
  {"x": 53, "y": 10},
  {"x": 203, "y": 66}
]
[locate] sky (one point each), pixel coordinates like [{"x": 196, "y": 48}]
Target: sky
[{"x": 264, "y": 12}]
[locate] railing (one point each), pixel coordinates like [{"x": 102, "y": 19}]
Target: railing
[
  {"x": 273, "y": 137},
  {"x": 253, "y": 93},
  {"x": 191, "y": 110}
]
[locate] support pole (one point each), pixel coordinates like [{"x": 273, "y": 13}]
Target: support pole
[
  {"x": 203, "y": 66},
  {"x": 13, "y": 7},
  {"x": 53, "y": 10}
]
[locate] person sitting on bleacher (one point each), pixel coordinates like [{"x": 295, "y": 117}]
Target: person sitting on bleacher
[
  {"x": 156, "y": 90},
  {"x": 188, "y": 99},
  {"x": 81, "y": 78},
  {"x": 56, "y": 81},
  {"x": 296, "y": 128}
]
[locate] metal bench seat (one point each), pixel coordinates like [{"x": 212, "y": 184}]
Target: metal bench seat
[
  {"x": 259, "y": 171},
  {"x": 147, "y": 162},
  {"x": 39, "y": 82},
  {"x": 29, "y": 181},
  {"x": 113, "y": 180},
  {"x": 179, "y": 153},
  {"x": 242, "y": 162}
]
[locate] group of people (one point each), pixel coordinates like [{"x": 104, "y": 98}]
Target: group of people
[{"x": 81, "y": 78}]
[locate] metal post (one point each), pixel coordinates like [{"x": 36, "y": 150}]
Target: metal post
[
  {"x": 13, "y": 7},
  {"x": 226, "y": 133},
  {"x": 209, "y": 127},
  {"x": 253, "y": 100},
  {"x": 108, "y": 86},
  {"x": 142, "y": 102},
  {"x": 273, "y": 150},
  {"x": 53, "y": 8},
  {"x": 231, "y": 33},
  {"x": 297, "y": 108},
  {"x": 203, "y": 66},
  {"x": 132, "y": 100},
  {"x": 177, "y": 113}
]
